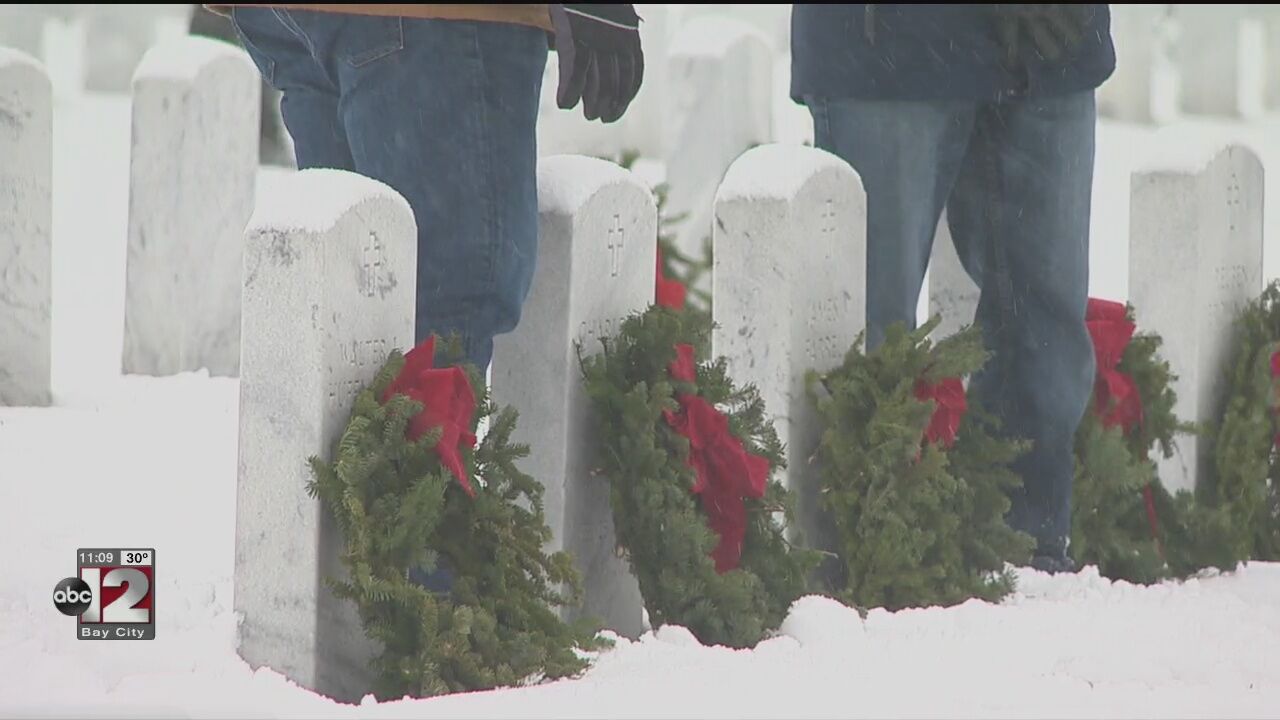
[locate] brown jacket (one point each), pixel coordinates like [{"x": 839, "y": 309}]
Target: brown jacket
[{"x": 535, "y": 15}]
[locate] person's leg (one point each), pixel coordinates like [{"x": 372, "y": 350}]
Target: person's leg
[
  {"x": 445, "y": 112},
  {"x": 1021, "y": 206},
  {"x": 309, "y": 97},
  {"x": 907, "y": 155}
]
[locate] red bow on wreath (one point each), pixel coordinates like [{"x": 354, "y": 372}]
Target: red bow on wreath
[
  {"x": 726, "y": 473},
  {"x": 668, "y": 293},
  {"x": 1115, "y": 394},
  {"x": 1116, "y": 398},
  {"x": 950, "y": 406},
  {"x": 447, "y": 401}
]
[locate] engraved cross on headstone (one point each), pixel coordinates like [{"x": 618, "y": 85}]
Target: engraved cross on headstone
[
  {"x": 829, "y": 217},
  {"x": 371, "y": 266},
  {"x": 616, "y": 238},
  {"x": 828, "y": 227}
]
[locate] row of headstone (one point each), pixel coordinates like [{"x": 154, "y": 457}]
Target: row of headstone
[
  {"x": 789, "y": 236},
  {"x": 108, "y": 41},
  {"x": 1198, "y": 59},
  {"x": 313, "y": 335},
  {"x": 193, "y": 164},
  {"x": 790, "y": 226}
]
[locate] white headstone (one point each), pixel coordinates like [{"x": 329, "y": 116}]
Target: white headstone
[
  {"x": 790, "y": 288},
  {"x": 1268, "y": 15},
  {"x": 1144, "y": 86},
  {"x": 772, "y": 20},
  {"x": 191, "y": 189},
  {"x": 598, "y": 236},
  {"x": 1221, "y": 59},
  {"x": 329, "y": 278},
  {"x": 952, "y": 293},
  {"x": 642, "y": 126},
  {"x": 1195, "y": 259},
  {"x": 721, "y": 96},
  {"x": 26, "y": 158},
  {"x": 792, "y": 122},
  {"x": 22, "y": 27},
  {"x": 117, "y": 36}
]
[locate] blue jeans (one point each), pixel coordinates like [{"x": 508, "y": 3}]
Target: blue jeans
[
  {"x": 1015, "y": 179},
  {"x": 445, "y": 113}
]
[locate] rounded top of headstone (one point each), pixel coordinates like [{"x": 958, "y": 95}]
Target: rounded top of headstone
[
  {"x": 11, "y": 58},
  {"x": 779, "y": 171},
  {"x": 1189, "y": 150},
  {"x": 566, "y": 183},
  {"x": 184, "y": 58},
  {"x": 713, "y": 35},
  {"x": 314, "y": 200}
]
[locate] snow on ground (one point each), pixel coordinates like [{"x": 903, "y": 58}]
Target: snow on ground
[
  {"x": 151, "y": 462},
  {"x": 155, "y": 466}
]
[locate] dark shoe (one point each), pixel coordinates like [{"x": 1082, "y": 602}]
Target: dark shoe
[{"x": 1054, "y": 565}]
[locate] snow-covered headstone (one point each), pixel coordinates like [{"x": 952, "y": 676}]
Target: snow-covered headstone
[
  {"x": 1221, "y": 60},
  {"x": 1195, "y": 259},
  {"x": 720, "y": 100},
  {"x": 597, "y": 244},
  {"x": 329, "y": 278},
  {"x": 26, "y": 158},
  {"x": 952, "y": 293},
  {"x": 1144, "y": 86},
  {"x": 790, "y": 287},
  {"x": 192, "y": 170}
]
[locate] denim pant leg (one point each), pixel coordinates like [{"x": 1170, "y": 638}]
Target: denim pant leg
[
  {"x": 308, "y": 96},
  {"x": 450, "y": 121},
  {"x": 1022, "y": 204},
  {"x": 444, "y": 112},
  {"x": 907, "y": 155}
]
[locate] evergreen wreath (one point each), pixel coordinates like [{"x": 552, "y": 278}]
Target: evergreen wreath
[
  {"x": 1123, "y": 520},
  {"x": 1245, "y": 477},
  {"x": 694, "y": 501},
  {"x": 401, "y": 492},
  {"x": 915, "y": 480}
]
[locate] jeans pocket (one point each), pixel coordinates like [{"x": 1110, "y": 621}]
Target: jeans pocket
[
  {"x": 266, "y": 66},
  {"x": 372, "y": 38}
]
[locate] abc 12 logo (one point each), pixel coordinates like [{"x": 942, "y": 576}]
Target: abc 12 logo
[{"x": 113, "y": 596}]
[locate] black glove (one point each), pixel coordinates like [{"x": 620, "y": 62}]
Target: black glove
[
  {"x": 601, "y": 63},
  {"x": 1054, "y": 30}
]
